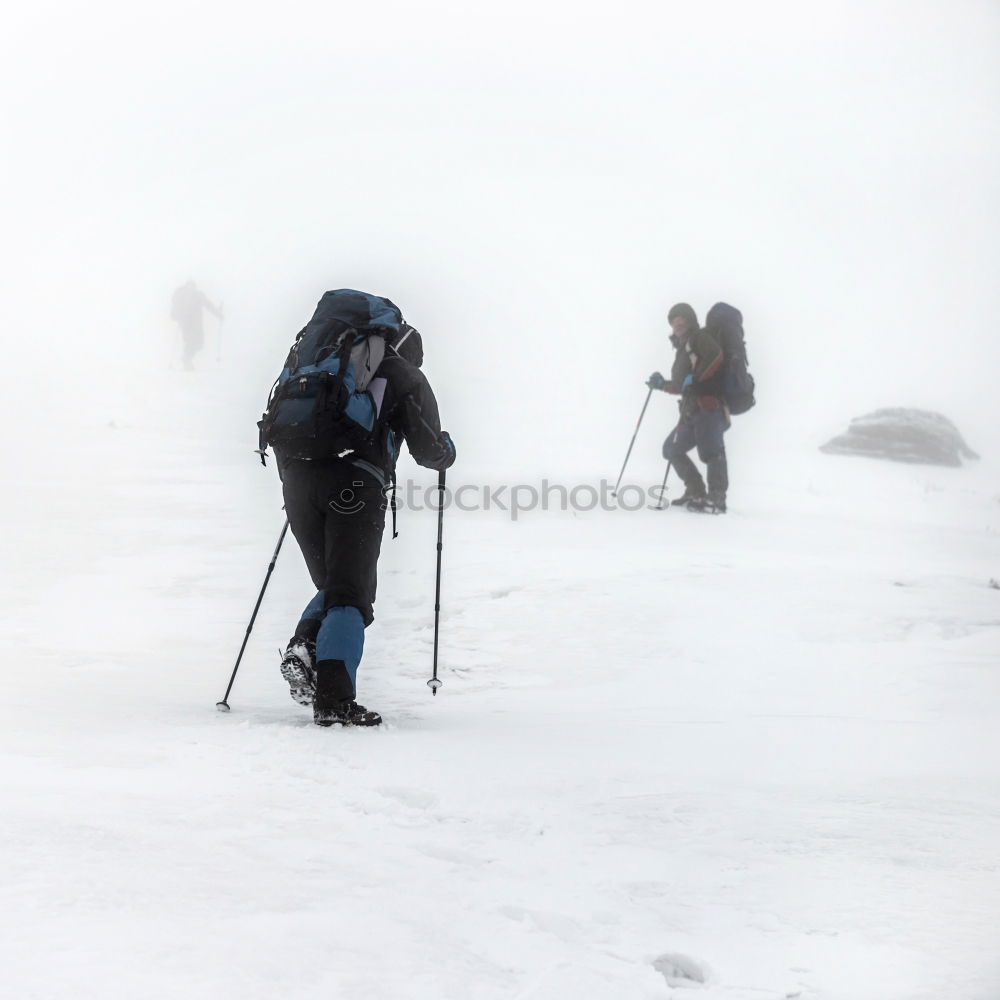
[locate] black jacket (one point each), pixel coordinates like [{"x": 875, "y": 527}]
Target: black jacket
[{"x": 408, "y": 412}]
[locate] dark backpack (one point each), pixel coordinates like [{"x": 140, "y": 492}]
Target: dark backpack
[
  {"x": 319, "y": 407},
  {"x": 725, "y": 323}
]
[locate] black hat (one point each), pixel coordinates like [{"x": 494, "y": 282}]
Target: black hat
[{"x": 683, "y": 309}]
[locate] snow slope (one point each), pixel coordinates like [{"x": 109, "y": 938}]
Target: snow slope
[{"x": 733, "y": 758}]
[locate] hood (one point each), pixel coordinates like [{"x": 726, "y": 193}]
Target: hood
[
  {"x": 408, "y": 345},
  {"x": 683, "y": 309}
]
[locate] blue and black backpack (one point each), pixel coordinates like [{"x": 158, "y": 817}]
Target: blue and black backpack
[
  {"x": 320, "y": 407},
  {"x": 725, "y": 323}
]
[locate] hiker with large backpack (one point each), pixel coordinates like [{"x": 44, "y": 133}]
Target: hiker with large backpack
[
  {"x": 350, "y": 393},
  {"x": 697, "y": 376}
]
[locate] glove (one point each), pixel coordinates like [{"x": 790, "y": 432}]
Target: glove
[
  {"x": 449, "y": 446},
  {"x": 687, "y": 383},
  {"x": 656, "y": 381}
]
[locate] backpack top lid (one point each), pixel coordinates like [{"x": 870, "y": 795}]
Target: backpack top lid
[
  {"x": 364, "y": 316},
  {"x": 361, "y": 310},
  {"x": 725, "y": 323},
  {"x": 723, "y": 316}
]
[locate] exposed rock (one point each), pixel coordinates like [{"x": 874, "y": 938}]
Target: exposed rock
[{"x": 902, "y": 435}]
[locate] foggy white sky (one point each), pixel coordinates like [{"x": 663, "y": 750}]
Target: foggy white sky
[{"x": 544, "y": 176}]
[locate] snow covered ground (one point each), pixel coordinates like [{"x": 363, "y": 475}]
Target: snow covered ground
[{"x": 733, "y": 758}]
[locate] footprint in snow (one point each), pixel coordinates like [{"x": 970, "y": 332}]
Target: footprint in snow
[
  {"x": 412, "y": 797},
  {"x": 679, "y": 970},
  {"x": 498, "y": 594}
]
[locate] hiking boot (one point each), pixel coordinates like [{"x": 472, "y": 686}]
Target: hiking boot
[
  {"x": 345, "y": 713},
  {"x": 691, "y": 494},
  {"x": 710, "y": 504},
  {"x": 298, "y": 669}
]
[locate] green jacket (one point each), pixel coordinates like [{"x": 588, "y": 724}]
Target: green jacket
[{"x": 700, "y": 355}]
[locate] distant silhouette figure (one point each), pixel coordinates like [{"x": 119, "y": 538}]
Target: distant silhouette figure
[{"x": 186, "y": 308}]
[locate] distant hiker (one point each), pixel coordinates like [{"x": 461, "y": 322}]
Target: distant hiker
[
  {"x": 186, "y": 308},
  {"x": 696, "y": 376},
  {"x": 350, "y": 393}
]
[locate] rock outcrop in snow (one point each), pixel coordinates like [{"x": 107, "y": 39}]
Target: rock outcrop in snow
[{"x": 903, "y": 435}]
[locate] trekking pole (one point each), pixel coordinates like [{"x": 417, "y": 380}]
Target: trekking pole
[
  {"x": 223, "y": 706},
  {"x": 614, "y": 492},
  {"x": 663, "y": 487},
  {"x": 434, "y": 683}
]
